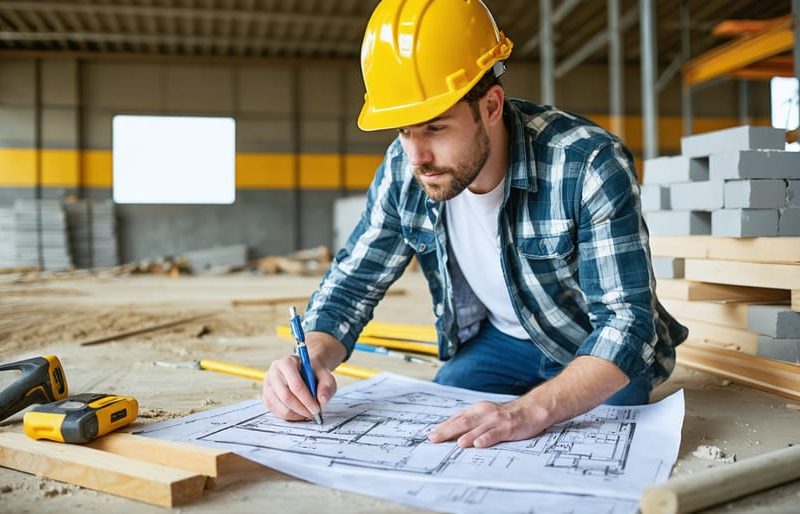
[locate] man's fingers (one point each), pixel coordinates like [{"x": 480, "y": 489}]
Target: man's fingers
[
  {"x": 454, "y": 427},
  {"x": 326, "y": 386},
  {"x": 286, "y": 385},
  {"x": 276, "y": 407}
]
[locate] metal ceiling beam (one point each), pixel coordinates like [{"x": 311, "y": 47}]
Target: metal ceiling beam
[
  {"x": 262, "y": 44},
  {"x": 181, "y": 12},
  {"x": 561, "y": 12},
  {"x": 777, "y": 38},
  {"x": 595, "y": 43}
]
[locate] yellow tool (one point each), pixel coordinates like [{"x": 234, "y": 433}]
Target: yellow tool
[
  {"x": 42, "y": 381},
  {"x": 80, "y": 418},
  {"x": 390, "y": 343},
  {"x": 258, "y": 374}
]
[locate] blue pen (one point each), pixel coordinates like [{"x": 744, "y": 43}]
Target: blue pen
[{"x": 302, "y": 352}]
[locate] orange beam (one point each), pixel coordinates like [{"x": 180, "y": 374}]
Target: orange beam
[
  {"x": 780, "y": 66},
  {"x": 744, "y": 51},
  {"x": 734, "y": 28}
]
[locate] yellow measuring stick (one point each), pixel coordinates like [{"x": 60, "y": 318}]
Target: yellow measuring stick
[
  {"x": 390, "y": 343},
  {"x": 258, "y": 374},
  {"x": 418, "y": 333}
]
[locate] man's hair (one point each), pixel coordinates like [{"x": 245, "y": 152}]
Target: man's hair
[{"x": 479, "y": 90}]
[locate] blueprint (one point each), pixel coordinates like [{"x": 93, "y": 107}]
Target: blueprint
[{"x": 374, "y": 441}]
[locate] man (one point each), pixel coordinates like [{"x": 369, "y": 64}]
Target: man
[{"x": 526, "y": 223}]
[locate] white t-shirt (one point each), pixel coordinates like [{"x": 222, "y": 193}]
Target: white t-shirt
[{"x": 472, "y": 221}]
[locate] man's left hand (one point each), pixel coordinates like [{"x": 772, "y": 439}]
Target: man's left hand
[{"x": 486, "y": 424}]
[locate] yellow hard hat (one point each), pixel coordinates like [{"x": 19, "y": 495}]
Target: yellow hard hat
[{"x": 420, "y": 57}]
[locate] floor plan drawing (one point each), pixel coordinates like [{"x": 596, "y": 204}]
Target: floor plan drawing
[{"x": 376, "y": 430}]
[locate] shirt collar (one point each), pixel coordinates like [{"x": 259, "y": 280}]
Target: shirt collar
[{"x": 521, "y": 159}]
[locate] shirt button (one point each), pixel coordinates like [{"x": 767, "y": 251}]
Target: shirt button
[
  {"x": 439, "y": 309},
  {"x": 422, "y": 247}
]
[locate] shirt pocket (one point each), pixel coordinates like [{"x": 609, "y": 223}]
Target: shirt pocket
[{"x": 548, "y": 253}]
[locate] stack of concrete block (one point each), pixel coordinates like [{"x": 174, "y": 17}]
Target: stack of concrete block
[
  {"x": 93, "y": 233},
  {"x": 34, "y": 233},
  {"x": 736, "y": 182},
  {"x": 779, "y": 331}
]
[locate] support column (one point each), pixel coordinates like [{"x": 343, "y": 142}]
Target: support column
[
  {"x": 649, "y": 98},
  {"x": 547, "y": 52},
  {"x": 744, "y": 102},
  {"x": 616, "y": 71},
  {"x": 796, "y": 12},
  {"x": 686, "y": 52}
]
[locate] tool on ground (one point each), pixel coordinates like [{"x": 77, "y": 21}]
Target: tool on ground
[
  {"x": 80, "y": 418},
  {"x": 380, "y": 350},
  {"x": 42, "y": 381},
  {"x": 258, "y": 374},
  {"x": 691, "y": 493},
  {"x": 305, "y": 362}
]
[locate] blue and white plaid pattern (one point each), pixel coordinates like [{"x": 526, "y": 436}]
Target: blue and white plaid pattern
[{"x": 575, "y": 251}]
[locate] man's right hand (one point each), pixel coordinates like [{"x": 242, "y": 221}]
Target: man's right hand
[{"x": 287, "y": 396}]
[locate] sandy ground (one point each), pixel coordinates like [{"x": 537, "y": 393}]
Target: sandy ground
[{"x": 56, "y": 315}]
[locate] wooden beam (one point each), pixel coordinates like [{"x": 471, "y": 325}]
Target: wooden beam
[
  {"x": 101, "y": 471},
  {"x": 732, "y": 315},
  {"x": 752, "y": 274},
  {"x": 796, "y": 299},
  {"x": 293, "y": 299},
  {"x": 696, "y": 491},
  {"x": 773, "y": 40},
  {"x": 769, "y": 375},
  {"x": 722, "y": 337},
  {"x": 751, "y": 249},
  {"x": 680, "y": 289},
  {"x": 210, "y": 462}
]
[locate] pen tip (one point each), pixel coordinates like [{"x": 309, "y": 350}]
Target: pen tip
[
  {"x": 318, "y": 418},
  {"x": 292, "y": 311}
]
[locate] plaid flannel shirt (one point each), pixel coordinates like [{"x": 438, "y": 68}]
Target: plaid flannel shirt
[{"x": 574, "y": 251}]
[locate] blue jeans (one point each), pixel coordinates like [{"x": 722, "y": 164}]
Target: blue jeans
[{"x": 494, "y": 362}]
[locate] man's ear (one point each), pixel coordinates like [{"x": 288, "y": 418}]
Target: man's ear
[{"x": 494, "y": 105}]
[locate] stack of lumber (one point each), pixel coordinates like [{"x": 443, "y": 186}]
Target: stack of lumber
[
  {"x": 740, "y": 299},
  {"x": 153, "y": 471},
  {"x": 737, "y": 182}
]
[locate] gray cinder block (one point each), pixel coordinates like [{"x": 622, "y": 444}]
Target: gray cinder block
[
  {"x": 755, "y": 194},
  {"x": 736, "y": 138},
  {"x": 678, "y": 223},
  {"x": 774, "y": 320},
  {"x": 782, "y": 349},
  {"x": 754, "y": 164},
  {"x": 793, "y": 193},
  {"x": 655, "y": 198},
  {"x": 668, "y": 170},
  {"x": 668, "y": 267},
  {"x": 744, "y": 222},
  {"x": 697, "y": 196},
  {"x": 789, "y": 222}
]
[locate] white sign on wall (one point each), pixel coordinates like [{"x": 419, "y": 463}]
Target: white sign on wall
[
  {"x": 784, "y": 103},
  {"x": 174, "y": 159}
]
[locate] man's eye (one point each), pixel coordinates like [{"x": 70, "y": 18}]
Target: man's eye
[
  {"x": 435, "y": 128},
  {"x": 403, "y": 132}
]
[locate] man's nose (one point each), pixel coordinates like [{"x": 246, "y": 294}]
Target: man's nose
[{"x": 417, "y": 151}]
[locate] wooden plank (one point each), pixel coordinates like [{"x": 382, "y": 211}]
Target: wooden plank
[
  {"x": 749, "y": 249},
  {"x": 796, "y": 300},
  {"x": 681, "y": 289},
  {"x": 101, "y": 471},
  {"x": 206, "y": 461},
  {"x": 753, "y": 274},
  {"x": 139, "y": 331},
  {"x": 732, "y": 315},
  {"x": 769, "y": 375},
  {"x": 723, "y": 337}
]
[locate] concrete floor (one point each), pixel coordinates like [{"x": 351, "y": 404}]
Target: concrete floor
[{"x": 53, "y": 315}]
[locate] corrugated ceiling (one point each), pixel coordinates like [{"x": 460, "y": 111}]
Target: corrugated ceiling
[{"x": 323, "y": 29}]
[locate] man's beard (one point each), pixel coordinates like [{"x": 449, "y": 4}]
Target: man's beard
[{"x": 462, "y": 175}]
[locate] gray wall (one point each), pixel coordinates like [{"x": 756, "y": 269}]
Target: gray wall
[{"x": 283, "y": 108}]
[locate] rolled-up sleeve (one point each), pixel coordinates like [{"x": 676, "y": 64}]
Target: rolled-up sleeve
[
  {"x": 374, "y": 257},
  {"x": 614, "y": 268}
]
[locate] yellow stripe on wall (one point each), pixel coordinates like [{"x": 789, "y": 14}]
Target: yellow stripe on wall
[
  {"x": 264, "y": 171},
  {"x": 60, "y": 168},
  {"x": 320, "y": 171},
  {"x": 97, "y": 168},
  {"x": 17, "y": 167},
  {"x": 360, "y": 169}
]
